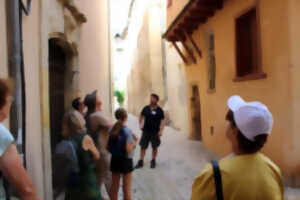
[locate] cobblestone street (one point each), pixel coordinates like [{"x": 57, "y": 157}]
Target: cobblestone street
[{"x": 180, "y": 160}]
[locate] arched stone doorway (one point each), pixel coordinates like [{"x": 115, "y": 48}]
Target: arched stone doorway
[
  {"x": 63, "y": 84},
  {"x": 57, "y": 70}
]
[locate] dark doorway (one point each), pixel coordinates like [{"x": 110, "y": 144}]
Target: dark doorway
[
  {"x": 57, "y": 69},
  {"x": 196, "y": 113}
]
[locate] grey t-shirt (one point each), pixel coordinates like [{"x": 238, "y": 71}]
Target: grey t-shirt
[{"x": 130, "y": 139}]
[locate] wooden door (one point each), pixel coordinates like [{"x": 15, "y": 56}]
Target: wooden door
[{"x": 196, "y": 113}]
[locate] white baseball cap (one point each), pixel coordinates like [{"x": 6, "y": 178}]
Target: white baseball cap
[{"x": 251, "y": 118}]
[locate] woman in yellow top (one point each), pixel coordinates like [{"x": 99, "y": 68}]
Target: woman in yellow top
[{"x": 247, "y": 174}]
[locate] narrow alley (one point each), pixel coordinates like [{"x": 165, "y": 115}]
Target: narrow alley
[
  {"x": 180, "y": 161},
  {"x": 192, "y": 55}
]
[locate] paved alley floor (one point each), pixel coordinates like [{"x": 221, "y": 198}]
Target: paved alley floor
[{"x": 180, "y": 161}]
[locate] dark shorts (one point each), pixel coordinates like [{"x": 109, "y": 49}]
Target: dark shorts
[
  {"x": 150, "y": 137},
  {"x": 121, "y": 165}
]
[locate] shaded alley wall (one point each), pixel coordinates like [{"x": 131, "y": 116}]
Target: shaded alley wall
[
  {"x": 94, "y": 52},
  {"x": 146, "y": 75}
]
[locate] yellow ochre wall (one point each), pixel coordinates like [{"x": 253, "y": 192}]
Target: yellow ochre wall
[
  {"x": 175, "y": 9},
  {"x": 292, "y": 153},
  {"x": 280, "y": 90}
]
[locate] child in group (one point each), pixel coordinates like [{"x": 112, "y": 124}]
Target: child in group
[{"x": 122, "y": 143}]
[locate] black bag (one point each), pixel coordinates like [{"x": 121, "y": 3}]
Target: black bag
[
  {"x": 218, "y": 180},
  {"x": 65, "y": 166},
  {"x": 6, "y": 187}
]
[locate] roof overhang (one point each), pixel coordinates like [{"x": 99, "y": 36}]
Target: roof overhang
[{"x": 196, "y": 12}]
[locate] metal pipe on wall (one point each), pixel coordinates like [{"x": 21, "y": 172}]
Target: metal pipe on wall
[{"x": 16, "y": 70}]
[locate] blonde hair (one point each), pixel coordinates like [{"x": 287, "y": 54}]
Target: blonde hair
[{"x": 73, "y": 124}]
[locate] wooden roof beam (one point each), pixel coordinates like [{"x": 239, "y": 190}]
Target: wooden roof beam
[
  {"x": 179, "y": 52},
  {"x": 198, "y": 13},
  {"x": 190, "y": 38},
  {"x": 216, "y": 4}
]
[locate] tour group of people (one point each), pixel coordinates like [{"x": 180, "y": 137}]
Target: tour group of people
[
  {"x": 111, "y": 145},
  {"x": 105, "y": 152}
]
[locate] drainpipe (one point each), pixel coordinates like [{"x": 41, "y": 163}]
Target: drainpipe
[{"x": 16, "y": 70}]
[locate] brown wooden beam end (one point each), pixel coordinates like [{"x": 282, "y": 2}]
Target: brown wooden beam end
[
  {"x": 190, "y": 52},
  {"x": 179, "y": 52},
  {"x": 179, "y": 33},
  {"x": 220, "y": 4},
  {"x": 194, "y": 44}
]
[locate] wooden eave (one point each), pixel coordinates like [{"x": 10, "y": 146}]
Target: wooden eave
[{"x": 195, "y": 13}]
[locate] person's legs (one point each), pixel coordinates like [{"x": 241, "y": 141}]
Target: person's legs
[
  {"x": 155, "y": 141},
  {"x": 114, "y": 190},
  {"x": 108, "y": 181},
  {"x": 144, "y": 143},
  {"x": 107, "y": 175},
  {"x": 103, "y": 174},
  {"x": 154, "y": 153},
  {"x": 143, "y": 153},
  {"x": 127, "y": 181}
]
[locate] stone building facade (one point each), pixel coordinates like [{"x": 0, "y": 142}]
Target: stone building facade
[{"x": 66, "y": 54}]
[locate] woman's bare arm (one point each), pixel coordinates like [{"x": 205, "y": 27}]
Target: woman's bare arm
[
  {"x": 89, "y": 145},
  {"x": 13, "y": 170},
  {"x": 131, "y": 146}
]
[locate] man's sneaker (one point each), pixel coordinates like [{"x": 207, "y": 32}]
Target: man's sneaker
[
  {"x": 153, "y": 164},
  {"x": 140, "y": 164}
]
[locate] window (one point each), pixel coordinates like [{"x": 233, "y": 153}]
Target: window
[
  {"x": 169, "y": 3},
  {"x": 247, "y": 50},
  {"x": 211, "y": 61}
]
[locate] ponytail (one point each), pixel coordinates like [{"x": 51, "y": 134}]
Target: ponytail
[
  {"x": 120, "y": 115},
  {"x": 116, "y": 128}
]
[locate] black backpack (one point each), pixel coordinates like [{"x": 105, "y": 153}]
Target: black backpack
[
  {"x": 117, "y": 144},
  {"x": 6, "y": 187},
  {"x": 65, "y": 166}
]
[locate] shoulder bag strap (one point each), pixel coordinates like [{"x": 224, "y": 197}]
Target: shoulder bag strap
[{"x": 218, "y": 180}]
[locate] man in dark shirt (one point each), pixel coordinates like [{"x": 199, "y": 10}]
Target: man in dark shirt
[{"x": 153, "y": 118}]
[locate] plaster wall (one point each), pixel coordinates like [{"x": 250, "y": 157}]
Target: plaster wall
[
  {"x": 294, "y": 69},
  {"x": 140, "y": 81},
  {"x": 94, "y": 52},
  {"x": 147, "y": 67},
  {"x": 177, "y": 93},
  {"x": 174, "y": 10},
  {"x": 3, "y": 41},
  {"x": 31, "y": 48}
]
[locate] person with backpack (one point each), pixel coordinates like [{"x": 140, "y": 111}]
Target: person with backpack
[
  {"x": 11, "y": 166},
  {"x": 81, "y": 183},
  {"x": 122, "y": 143},
  {"x": 246, "y": 174}
]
